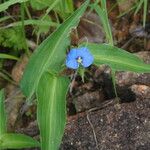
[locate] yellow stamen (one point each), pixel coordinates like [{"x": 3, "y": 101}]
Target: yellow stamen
[{"x": 79, "y": 60}]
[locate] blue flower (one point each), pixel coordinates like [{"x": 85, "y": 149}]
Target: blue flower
[{"x": 78, "y": 56}]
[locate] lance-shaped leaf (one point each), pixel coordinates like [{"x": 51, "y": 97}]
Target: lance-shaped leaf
[
  {"x": 3, "y": 126},
  {"x": 51, "y": 110},
  {"x": 118, "y": 59},
  {"x": 17, "y": 141},
  {"x": 50, "y": 54}
]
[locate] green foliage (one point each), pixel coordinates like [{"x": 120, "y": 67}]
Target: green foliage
[
  {"x": 8, "y": 3},
  {"x": 41, "y": 29},
  {"x": 40, "y": 23},
  {"x": 50, "y": 54},
  {"x": 145, "y": 10},
  {"x": 4, "y": 18},
  {"x": 102, "y": 12},
  {"x": 137, "y": 6},
  {"x": 51, "y": 109},
  {"x": 12, "y": 38},
  {"x": 63, "y": 7},
  {"x": 117, "y": 59},
  {"x": 22, "y": 13},
  {"x": 5, "y": 56},
  {"x": 3, "y": 126},
  {"x": 40, "y": 4},
  {"x": 41, "y": 74},
  {"x": 10, "y": 140},
  {"x": 44, "y": 29},
  {"x": 17, "y": 141}
]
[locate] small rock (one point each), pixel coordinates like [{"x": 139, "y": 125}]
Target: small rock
[
  {"x": 88, "y": 100},
  {"x": 14, "y": 101},
  {"x": 141, "y": 90},
  {"x": 18, "y": 69},
  {"x": 130, "y": 78},
  {"x": 31, "y": 130}
]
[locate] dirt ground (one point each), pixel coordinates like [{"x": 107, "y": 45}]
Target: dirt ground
[{"x": 114, "y": 127}]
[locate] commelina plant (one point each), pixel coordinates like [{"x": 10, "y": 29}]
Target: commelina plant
[{"x": 42, "y": 77}]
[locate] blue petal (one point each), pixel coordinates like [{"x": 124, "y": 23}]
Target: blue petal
[
  {"x": 86, "y": 56},
  {"x": 87, "y": 61},
  {"x": 83, "y": 52},
  {"x": 72, "y": 63},
  {"x": 72, "y": 54}
]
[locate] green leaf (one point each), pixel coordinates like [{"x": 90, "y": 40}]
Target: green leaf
[
  {"x": 139, "y": 5},
  {"x": 50, "y": 54},
  {"x": 6, "y": 56},
  {"x": 12, "y": 38},
  {"x": 64, "y": 8},
  {"x": 5, "y": 5},
  {"x": 40, "y": 4},
  {"x": 17, "y": 141},
  {"x": 3, "y": 126},
  {"x": 117, "y": 58},
  {"x": 44, "y": 23},
  {"x": 4, "y": 18},
  {"x": 51, "y": 110},
  {"x": 44, "y": 29}
]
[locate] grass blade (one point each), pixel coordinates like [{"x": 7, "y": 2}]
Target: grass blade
[
  {"x": 5, "y": 5},
  {"x": 102, "y": 12},
  {"x": 145, "y": 11},
  {"x": 32, "y": 22},
  {"x": 3, "y": 126},
  {"x": 6, "y": 56}
]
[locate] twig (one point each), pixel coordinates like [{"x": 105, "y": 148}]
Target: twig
[
  {"x": 73, "y": 77},
  {"x": 105, "y": 104},
  {"x": 94, "y": 134},
  {"x": 128, "y": 42}
]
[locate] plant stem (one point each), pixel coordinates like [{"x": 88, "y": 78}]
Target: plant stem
[
  {"x": 113, "y": 73},
  {"x": 50, "y": 8},
  {"x": 23, "y": 29},
  {"x": 27, "y": 11},
  {"x": 145, "y": 12},
  {"x": 102, "y": 12}
]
